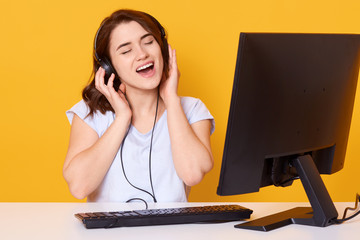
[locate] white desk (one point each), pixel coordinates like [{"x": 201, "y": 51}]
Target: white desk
[{"x": 53, "y": 221}]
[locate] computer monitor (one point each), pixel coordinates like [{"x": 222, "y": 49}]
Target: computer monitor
[{"x": 289, "y": 118}]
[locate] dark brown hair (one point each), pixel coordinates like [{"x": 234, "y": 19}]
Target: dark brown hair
[{"x": 92, "y": 97}]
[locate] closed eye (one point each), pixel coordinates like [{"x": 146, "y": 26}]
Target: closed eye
[{"x": 125, "y": 52}]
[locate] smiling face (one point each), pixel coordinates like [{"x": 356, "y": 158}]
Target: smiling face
[{"x": 136, "y": 56}]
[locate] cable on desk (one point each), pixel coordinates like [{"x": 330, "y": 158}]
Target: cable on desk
[
  {"x": 132, "y": 199},
  {"x": 344, "y": 219}
]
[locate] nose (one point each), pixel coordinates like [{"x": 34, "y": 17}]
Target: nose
[{"x": 141, "y": 53}]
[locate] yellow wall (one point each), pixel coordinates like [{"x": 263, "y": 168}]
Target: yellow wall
[{"x": 45, "y": 61}]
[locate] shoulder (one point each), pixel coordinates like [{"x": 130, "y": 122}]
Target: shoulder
[
  {"x": 195, "y": 110},
  {"x": 98, "y": 121},
  {"x": 80, "y": 109},
  {"x": 188, "y": 103}
]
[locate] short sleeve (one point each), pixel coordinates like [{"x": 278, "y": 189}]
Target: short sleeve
[
  {"x": 82, "y": 111},
  {"x": 195, "y": 110}
]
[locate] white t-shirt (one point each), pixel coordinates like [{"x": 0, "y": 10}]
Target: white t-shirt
[{"x": 168, "y": 187}]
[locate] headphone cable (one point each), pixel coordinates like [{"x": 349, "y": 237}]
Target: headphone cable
[{"x": 151, "y": 141}]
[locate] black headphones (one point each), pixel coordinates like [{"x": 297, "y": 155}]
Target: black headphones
[{"x": 105, "y": 63}]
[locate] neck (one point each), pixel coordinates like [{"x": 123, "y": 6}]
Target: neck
[
  {"x": 143, "y": 105},
  {"x": 142, "y": 102}
]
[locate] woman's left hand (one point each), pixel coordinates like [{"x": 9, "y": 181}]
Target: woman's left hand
[{"x": 169, "y": 86}]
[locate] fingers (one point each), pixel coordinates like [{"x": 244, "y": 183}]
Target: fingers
[
  {"x": 171, "y": 55},
  {"x": 99, "y": 79},
  {"x": 100, "y": 82},
  {"x": 110, "y": 84},
  {"x": 122, "y": 89},
  {"x": 170, "y": 51},
  {"x": 173, "y": 61},
  {"x": 117, "y": 99}
]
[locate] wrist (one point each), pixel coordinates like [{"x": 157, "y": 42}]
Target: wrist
[
  {"x": 171, "y": 100},
  {"x": 123, "y": 118}
]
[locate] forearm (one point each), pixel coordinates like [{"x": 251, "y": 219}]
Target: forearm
[
  {"x": 85, "y": 170},
  {"x": 192, "y": 157}
]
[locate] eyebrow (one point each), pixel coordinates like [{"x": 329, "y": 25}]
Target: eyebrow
[{"x": 128, "y": 43}]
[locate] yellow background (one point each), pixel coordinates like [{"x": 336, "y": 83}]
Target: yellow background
[{"x": 46, "y": 49}]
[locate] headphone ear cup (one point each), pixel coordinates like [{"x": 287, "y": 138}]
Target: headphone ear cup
[
  {"x": 109, "y": 69},
  {"x": 106, "y": 65}
]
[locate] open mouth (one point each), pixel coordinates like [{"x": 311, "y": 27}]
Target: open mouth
[{"x": 145, "y": 69}]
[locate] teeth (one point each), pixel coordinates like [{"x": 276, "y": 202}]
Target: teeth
[{"x": 144, "y": 67}]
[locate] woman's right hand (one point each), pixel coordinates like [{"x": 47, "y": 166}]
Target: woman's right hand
[{"x": 117, "y": 99}]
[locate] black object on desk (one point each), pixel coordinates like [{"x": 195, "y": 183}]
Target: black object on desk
[
  {"x": 166, "y": 216},
  {"x": 290, "y": 113}
]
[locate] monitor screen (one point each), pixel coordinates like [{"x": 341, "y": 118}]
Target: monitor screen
[{"x": 290, "y": 113}]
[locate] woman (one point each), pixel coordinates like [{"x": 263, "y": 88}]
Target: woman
[{"x": 132, "y": 136}]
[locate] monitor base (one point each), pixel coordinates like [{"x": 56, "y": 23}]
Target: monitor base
[
  {"x": 298, "y": 215},
  {"x": 320, "y": 214}
]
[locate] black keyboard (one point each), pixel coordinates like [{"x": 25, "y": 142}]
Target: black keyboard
[{"x": 215, "y": 213}]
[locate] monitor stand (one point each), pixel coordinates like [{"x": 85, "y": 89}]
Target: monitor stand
[{"x": 322, "y": 210}]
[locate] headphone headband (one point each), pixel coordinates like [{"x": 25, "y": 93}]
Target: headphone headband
[
  {"x": 95, "y": 41},
  {"x": 161, "y": 28}
]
